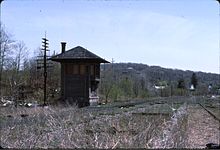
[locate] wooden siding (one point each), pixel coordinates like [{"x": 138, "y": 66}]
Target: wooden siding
[
  {"x": 82, "y": 69},
  {"x": 77, "y": 88},
  {"x": 62, "y": 80},
  {"x": 76, "y": 81}
]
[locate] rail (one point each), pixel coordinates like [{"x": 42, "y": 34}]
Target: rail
[{"x": 210, "y": 112}]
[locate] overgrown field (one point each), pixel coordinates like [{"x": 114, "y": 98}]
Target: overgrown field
[{"x": 156, "y": 123}]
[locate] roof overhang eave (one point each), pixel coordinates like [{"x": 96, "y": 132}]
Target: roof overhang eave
[{"x": 78, "y": 60}]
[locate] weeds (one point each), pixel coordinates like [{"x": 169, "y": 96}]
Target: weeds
[
  {"x": 173, "y": 135},
  {"x": 70, "y": 127}
]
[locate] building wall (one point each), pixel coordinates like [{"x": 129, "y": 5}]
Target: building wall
[
  {"x": 77, "y": 80},
  {"x": 62, "y": 80}
]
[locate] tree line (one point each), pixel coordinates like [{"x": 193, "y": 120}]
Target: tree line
[
  {"x": 20, "y": 77},
  {"x": 123, "y": 81}
]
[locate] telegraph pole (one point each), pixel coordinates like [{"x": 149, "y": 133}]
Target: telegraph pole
[
  {"x": 45, "y": 49},
  {"x": 113, "y": 72},
  {"x": 44, "y": 65},
  {"x": 112, "y": 63}
]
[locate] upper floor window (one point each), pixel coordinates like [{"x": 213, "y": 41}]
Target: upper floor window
[{"x": 82, "y": 69}]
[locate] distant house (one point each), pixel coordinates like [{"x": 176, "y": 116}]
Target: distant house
[
  {"x": 80, "y": 74},
  {"x": 192, "y": 87},
  {"x": 130, "y": 68},
  {"x": 159, "y": 87},
  {"x": 210, "y": 87}
]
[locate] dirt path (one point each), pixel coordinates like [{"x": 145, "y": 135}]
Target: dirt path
[{"x": 202, "y": 128}]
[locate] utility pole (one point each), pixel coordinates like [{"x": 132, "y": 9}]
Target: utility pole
[
  {"x": 112, "y": 63},
  {"x": 43, "y": 64},
  {"x": 45, "y": 49},
  {"x": 113, "y": 72}
]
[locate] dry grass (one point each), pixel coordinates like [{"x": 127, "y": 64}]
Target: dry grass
[
  {"x": 174, "y": 131},
  {"x": 70, "y": 127}
]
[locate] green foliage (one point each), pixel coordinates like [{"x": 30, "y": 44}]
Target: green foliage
[
  {"x": 181, "y": 84},
  {"x": 126, "y": 87},
  {"x": 106, "y": 84},
  {"x": 123, "y": 88},
  {"x": 115, "y": 93},
  {"x": 165, "y": 92},
  {"x": 144, "y": 93},
  {"x": 202, "y": 89},
  {"x": 180, "y": 92},
  {"x": 162, "y": 83}
]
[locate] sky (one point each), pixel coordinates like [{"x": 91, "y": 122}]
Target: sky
[{"x": 178, "y": 34}]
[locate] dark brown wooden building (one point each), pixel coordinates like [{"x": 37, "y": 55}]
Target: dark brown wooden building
[{"x": 80, "y": 74}]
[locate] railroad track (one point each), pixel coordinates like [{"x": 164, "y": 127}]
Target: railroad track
[
  {"x": 212, "y": 145},
  {"x": 210, "y": 112}
]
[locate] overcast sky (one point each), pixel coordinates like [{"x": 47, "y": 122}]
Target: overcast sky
[{"x": 181, "y": 34}]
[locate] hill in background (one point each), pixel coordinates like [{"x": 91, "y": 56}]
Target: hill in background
[{"x": 140, "y": 77}]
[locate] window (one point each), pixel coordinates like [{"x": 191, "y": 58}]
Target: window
[
  {"x": 75, "y": 69},
  {"x": 92, "y": 70},
  {"x": 68, "y": 69},
  {"x": 82, "y": 69}
]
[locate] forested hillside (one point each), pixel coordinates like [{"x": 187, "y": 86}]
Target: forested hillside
[
  {"x": 139, "y": 80},
  {"x": 153, "y": 73}
]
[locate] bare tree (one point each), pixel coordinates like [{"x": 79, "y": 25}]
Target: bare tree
[
  {"x": 106, "y": 84},
  {"x": 5, "y": 49},
  {"x": 20, "y": 54},
  {"x": 15, "y": 69}
]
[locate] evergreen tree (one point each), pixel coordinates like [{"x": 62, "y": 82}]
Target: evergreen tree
[
  {"x": 194, "y": 80},
  {"x": 181, "y": 84}
]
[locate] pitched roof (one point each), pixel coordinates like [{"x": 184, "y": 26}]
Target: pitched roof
[{"x": 78, "y": 54}]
